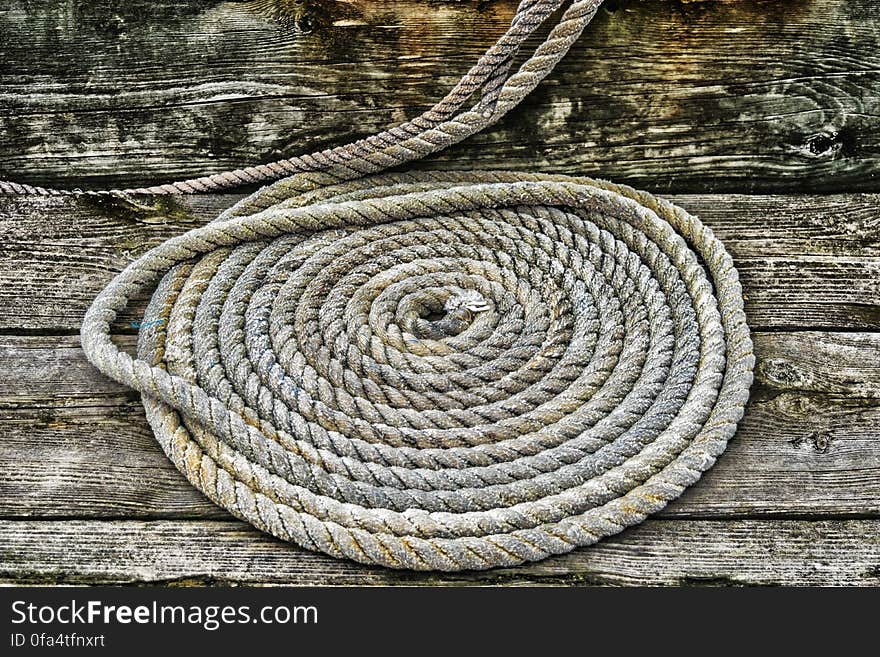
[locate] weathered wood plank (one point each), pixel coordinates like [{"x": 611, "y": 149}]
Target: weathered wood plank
[
  {"x": 805, "y": 261},
  {"x": 77, "y": 445},
  {"x": 668, "y": 96},
  {"x": 658, "y": 552}
]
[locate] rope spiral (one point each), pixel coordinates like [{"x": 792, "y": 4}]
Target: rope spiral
[{"x": 438, "y": 371}]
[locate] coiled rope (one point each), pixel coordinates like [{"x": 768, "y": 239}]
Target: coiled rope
[{"x": 438, "y": 371}]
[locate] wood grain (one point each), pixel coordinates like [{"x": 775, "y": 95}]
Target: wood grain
[
  {"x": 743, "y": 96},
  {"x": 721, "y": 105},
  {"x": 805, "y": 262},
  {"x": 77, "y": 445},
  {"x": 657, "y": 553}
]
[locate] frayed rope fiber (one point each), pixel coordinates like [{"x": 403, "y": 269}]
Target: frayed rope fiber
[{"x": 439, "y": 371}]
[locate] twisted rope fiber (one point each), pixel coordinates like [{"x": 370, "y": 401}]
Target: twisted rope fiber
[
  {"x": 439, "y": 371},
  {"x": 448, "y": 122}
]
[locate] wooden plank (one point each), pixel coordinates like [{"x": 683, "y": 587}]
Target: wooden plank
[
  {"x": 656, "y": 553},
  {"x": 805, "y": 261},
  {"x": 724, "y": 96},
  {"x": 78, "y": 445}
]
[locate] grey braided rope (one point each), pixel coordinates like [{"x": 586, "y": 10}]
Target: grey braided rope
[{"x": 439, "y": 371}]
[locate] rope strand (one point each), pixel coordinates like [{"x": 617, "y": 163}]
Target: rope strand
[{"x": 448, "y": 122}]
